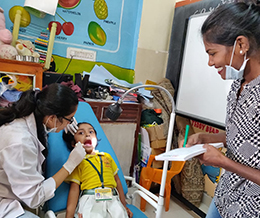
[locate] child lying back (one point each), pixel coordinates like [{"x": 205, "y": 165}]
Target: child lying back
[{"x": 96, "y": 176}]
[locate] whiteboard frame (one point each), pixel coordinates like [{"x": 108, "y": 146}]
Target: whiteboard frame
[{"x": 202, "y": 93}]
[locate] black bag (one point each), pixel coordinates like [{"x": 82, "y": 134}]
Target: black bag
[{"x": 149, "y": 116}]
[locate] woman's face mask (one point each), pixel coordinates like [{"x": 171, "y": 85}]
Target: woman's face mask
[
  {"x": 231, "y": 72},
  {"x": 52, "y": 129}
]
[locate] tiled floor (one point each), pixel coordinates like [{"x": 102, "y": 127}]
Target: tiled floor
[{"x": 177, "y": 209}]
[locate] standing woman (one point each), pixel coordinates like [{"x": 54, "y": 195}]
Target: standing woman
[
  {"x": 231, "y": 36},
  {"x": 24, "y": 126}
]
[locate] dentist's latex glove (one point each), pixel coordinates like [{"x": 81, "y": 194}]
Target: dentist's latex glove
[
  {"x": 75, "y": 157},
  {"x": 72, "y": 127}
]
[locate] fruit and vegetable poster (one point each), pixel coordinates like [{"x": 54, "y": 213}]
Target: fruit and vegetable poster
[{"x": 89, "y": 32}]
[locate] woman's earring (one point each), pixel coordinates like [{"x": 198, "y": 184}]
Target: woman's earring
[{"x": 241, "y": 52}]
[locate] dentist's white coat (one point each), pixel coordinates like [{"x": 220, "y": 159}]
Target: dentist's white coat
[{"x": 21, "y": 177}]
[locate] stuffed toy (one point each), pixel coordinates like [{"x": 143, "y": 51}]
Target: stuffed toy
[
  {"x": 7, "y": 51},
  {"x": 26, "y": 48}
]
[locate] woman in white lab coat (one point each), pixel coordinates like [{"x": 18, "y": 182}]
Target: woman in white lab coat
[{"x": 24, "y": 126}]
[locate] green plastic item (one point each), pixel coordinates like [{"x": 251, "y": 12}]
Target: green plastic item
[{"x": 35, "y": 12}]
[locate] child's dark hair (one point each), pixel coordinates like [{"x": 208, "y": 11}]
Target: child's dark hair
[{"x": 69, "y": 138}]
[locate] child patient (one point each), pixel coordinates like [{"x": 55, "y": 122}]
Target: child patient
[{"x": 96, "y": 176}]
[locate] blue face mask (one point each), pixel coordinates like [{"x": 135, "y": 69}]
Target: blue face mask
[{"x": 231, "y": 72}]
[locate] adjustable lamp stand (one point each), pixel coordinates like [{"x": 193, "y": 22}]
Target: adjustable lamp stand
[{"x": 113, "y": 112}]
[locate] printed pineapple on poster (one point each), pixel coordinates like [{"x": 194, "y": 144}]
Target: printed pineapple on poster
[{"x": 108, "y": 29}]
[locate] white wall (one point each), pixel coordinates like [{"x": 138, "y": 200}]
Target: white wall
[{"x": 154, "y": 39}]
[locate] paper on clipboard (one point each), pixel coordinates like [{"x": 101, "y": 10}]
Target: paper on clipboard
[
  {"x": 46, "y": 6},
  {"x": 185, "y": 153}
]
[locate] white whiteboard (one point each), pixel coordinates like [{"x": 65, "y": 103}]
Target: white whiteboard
[{"x": 202, "y": 93}]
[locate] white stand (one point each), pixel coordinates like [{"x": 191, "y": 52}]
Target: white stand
[{"x": 168, "y": 144}]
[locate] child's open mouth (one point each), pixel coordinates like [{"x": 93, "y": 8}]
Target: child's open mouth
[{"x": 88, "y": 143}]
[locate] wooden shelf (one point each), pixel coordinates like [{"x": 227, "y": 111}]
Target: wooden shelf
[{"x": 23, "y": 67}]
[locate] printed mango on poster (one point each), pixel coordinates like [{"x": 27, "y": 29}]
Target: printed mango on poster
[{"x": 96, "y": 33}]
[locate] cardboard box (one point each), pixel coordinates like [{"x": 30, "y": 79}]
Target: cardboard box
[
  {"x": 157, "y": 164},
  {"x": 157, "y": 132},
  {"x": 158, "y": 143},
  {"x": 157, "y": 151},
  {"x": 209, "y": 186}
]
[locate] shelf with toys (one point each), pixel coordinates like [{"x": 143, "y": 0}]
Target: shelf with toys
[
  {"x": 23, "y": 68},
  {"x": 20, "y": 57}
]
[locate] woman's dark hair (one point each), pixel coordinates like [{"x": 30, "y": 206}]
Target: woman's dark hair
[
  {"x": 229, "y": 21},
  {"x": 69, "y": 138},
  {"x": 55, "y": 99}
]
